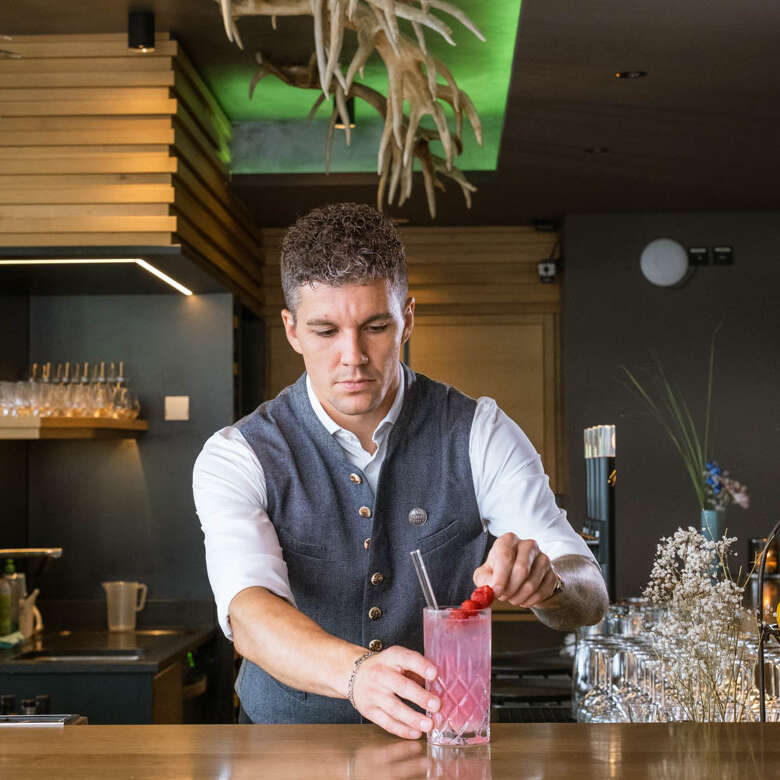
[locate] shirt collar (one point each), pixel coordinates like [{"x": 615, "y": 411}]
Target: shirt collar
[{"x": 333, "y": 427}]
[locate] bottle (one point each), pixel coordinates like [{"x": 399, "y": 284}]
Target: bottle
[
  {"x": 7, "y": 704},
  {"x": 42, "y": 704},
  {"x": 5, "y": 607},
  {"x": 28, "y": 706},
  {"x": 17, "y": 582}
]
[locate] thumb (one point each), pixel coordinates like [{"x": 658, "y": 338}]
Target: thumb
[{"x": 483, "y": 574}]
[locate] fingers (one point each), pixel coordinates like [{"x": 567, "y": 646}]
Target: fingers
[
  {"x": 408, "y": 689},
  {"x": 382, "y": 684},
  {"x": 405, "y": 660},
  {"x": 527, "y": 571},
  {"x": 546, "y": 589},
  {"x": 483, "y": 575},
  {"x": 391, "y": 724},
  {"x": 500, "y": 561},
  {"x": 517, "y": 571},
  {"x": 526, "y": 590}
]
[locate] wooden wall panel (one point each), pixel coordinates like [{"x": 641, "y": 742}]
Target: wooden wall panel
[
  {"x": 484, "y": 270},
  {"x": 100, "y": 145}
]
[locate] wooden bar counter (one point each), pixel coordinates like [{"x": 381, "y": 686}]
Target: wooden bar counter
[{"x": 535, "y": 750}]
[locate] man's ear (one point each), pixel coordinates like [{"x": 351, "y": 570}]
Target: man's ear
[
  {"x": 408, "y": 319},
  {"x": 288, "y": 319}
]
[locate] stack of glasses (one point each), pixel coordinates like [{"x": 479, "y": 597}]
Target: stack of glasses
[
  {"x": 620, "y": 676},
  {"x": 71, "y": 390}
]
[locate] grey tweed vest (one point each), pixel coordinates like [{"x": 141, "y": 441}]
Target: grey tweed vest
[{"x": 335, "y": 533}]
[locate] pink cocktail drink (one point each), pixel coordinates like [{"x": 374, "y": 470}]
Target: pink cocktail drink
[{"x": 458, "y": 643}]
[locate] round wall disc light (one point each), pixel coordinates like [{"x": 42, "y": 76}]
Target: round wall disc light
[{"x": 664, "y": 262}]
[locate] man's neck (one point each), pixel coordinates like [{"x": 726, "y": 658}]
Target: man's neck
[{"x": 364, "y": 425}]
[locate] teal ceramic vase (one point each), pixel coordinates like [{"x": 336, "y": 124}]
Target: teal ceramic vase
[{"x": 713, "y": 523}]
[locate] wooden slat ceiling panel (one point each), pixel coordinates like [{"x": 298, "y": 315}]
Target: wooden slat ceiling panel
[{"x": 100, "y": 146}]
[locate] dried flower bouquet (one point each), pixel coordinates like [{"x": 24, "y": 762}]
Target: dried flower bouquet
[{"x": 707, "y": 660}]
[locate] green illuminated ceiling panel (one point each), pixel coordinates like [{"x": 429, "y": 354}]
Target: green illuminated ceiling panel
[{"x": 271, "y": 134}]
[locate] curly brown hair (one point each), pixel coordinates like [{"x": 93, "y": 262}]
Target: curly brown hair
[{"x": 343, "y": 243}]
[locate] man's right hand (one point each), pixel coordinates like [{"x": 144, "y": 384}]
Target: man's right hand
[{"x": 382, "y": 683}]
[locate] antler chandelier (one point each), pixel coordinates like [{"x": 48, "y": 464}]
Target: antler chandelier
[
  {"x": 412, "y": 77},
  {"x": 5, "y": 54}
]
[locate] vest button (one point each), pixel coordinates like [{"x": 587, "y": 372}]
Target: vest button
[
  {"x": 377, "y": 577},
  {"x": 364, "y": 511},
  {"x": 374, "y": 613},
  {"x": 367, "y": 543},
  {"x": 356, "y": 478},
  {"x": 375, "y": 645}
]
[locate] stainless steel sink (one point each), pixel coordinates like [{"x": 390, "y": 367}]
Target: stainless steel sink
[{"x": 83, "y": 656}]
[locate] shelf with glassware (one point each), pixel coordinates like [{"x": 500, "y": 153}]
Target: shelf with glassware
[
  {"x": 68, "y": 405},
  {"x": 69, "y": 428}
]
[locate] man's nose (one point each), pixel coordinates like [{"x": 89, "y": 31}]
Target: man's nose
[{"x": 352, "y": 352}]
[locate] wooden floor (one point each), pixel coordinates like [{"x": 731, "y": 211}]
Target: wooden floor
[{"x": 538, "y": 750}]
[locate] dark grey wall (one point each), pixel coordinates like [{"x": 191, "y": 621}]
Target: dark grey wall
[
  {"x": 613, "y": 316},
  {"x": 14, "y": 344},
  {"x": 122, "y": 509}
]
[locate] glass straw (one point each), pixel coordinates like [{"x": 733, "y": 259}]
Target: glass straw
[{"x": 425, "y": 580}]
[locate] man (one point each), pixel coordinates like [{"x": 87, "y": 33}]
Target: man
[{"x": 311, "y": 505}]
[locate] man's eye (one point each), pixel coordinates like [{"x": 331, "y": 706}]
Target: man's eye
[
  {"x": 325, "y": 333},
  {"x": 376, "y": 328}
]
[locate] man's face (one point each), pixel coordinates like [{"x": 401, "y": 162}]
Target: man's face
[{"x": 350, "y": 338}]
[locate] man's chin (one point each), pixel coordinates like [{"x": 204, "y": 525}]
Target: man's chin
[{"x": 354, "y": 405}]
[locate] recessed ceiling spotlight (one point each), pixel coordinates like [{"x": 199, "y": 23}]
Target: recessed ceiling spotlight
[
  {"x": 598, "y": 150},
  {"x": 631, "y": 74},
  {"x": 140, "y": 31}
]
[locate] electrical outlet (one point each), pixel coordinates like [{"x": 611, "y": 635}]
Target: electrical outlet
[
  {"x": 698, "y": 255},
  {"x": 723, "y": 255}
]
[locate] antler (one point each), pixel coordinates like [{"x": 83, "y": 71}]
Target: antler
[
  {"x": 412, "y": 71},
  {"x": 8, "y": 55}
]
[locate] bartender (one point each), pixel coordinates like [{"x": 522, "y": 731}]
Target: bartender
[{"x": 311, "y": 504}]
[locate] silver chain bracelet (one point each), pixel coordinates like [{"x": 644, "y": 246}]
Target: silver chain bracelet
[{"x": 351, "y": 683}]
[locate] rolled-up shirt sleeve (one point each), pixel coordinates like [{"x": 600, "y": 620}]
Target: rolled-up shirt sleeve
[
  {"x": 242, "y": 547},
  {"x": 513, "y": 492}
]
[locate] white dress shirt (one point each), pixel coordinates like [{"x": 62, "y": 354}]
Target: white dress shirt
[{"x": 242, "y": 547}]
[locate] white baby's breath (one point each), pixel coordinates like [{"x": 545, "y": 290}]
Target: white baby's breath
[{"x": 704, "y": 658}]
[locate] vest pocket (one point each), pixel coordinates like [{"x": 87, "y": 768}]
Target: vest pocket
[
  {"x": 290, "y": 544},
  {"x": 435, "y": 541}
]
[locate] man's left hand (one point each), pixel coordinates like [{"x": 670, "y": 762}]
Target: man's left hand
[{"x": 518, "y": 571}]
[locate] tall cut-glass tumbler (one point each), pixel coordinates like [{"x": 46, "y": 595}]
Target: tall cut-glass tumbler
[{"x": 458, "y": 643}]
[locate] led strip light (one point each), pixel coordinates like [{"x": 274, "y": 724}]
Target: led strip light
[{"x": 86, "y": 261}]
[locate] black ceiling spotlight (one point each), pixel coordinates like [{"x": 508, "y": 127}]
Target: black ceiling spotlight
[
  {"x": 350, "y": 113},
  {"x": 630, "y": 74},
  {"x": 140, "y": 31}
]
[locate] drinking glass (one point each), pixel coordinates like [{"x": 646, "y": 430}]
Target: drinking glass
[
  {"x": 583, "y": 673},
  {"x": 7, "y": 399},
  {"x": 600, "y": 704},
  {"x": 458, "y": 644}
]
